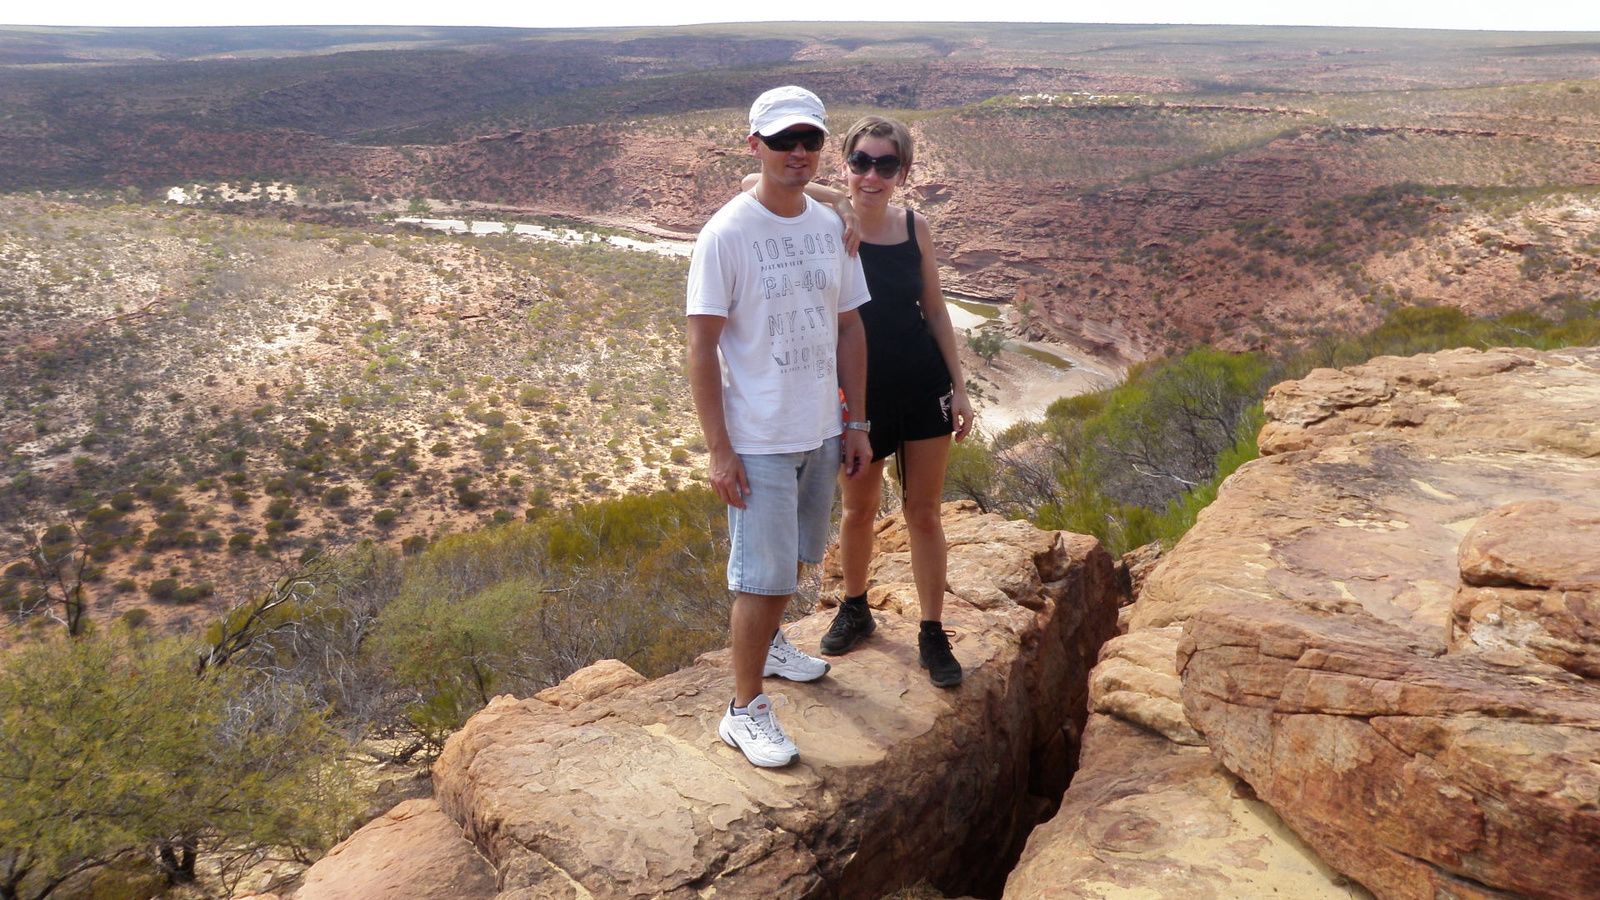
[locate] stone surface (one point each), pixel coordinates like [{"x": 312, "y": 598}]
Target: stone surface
[
  {"x": 413, "y": 852},
  {"x": 1536, "y": 543},
  {"x": 1530, "y": 575},
  {"x": 1138, "y": 563},
  {"x": 1149, "y": 819},
  {"x": 1136, "y": 680},
  {"x": 1561, "y": 628},
  {"x": 629, "y": 792},
  {"x": 1389, "y": 635},
  {"x": 1420, "y": 774},
  {"x": 1365, "y": 507},
  {"x": 607, "y": 676}
]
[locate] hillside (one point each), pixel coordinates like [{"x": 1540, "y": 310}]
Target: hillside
[
  {"x": 211, "y": 396},
  {"x": 1124, "y": 148},
  {"x": 213, "y": 391}
]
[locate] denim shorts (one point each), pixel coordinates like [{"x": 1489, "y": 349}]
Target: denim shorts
[{"x": 785, "y": 520}]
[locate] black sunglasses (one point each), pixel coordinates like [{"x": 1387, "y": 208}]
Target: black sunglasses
[
  {"x": 786, "y": 141},
  {"x": 860, "y": 163}
]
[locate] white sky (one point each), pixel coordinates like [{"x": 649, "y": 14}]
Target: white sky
[{"x": 1526, "y": 15}]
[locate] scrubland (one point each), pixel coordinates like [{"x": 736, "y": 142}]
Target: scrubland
[{"x": 297, "y": 490}]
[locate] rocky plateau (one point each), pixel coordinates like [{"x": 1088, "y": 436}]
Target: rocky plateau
[{"x": 1368, "y": 671}]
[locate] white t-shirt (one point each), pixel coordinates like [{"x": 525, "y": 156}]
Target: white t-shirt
[{"x": 781, "y": 284}]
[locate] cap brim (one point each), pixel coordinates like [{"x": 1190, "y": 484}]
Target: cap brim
[{"x": 789, "y": 122}]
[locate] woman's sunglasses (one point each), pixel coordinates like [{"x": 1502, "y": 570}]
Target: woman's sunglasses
[
  {"x": 786, "y": 141},
  {"x": 860, "y": 163}
]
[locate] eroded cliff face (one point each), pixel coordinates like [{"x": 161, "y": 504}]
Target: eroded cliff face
[
  {"x": 609, "y": 786},
  {"x": 1382, "y": 638}
]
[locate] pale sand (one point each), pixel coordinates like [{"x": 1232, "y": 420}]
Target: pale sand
[{"x": 1018, "y": 388}]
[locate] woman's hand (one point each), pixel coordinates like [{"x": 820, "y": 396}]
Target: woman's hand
[
  {"x": 962, "y": 415},
  {"x": 852, "y": 224}
]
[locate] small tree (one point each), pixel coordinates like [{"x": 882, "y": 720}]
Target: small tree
[
  {"x": 987, "y": 343},
  {"x": 113, "y": 744},
  {"x": 58, "y": 561}
]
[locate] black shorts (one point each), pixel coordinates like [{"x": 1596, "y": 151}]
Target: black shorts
[{"x": 897, "y": 419}]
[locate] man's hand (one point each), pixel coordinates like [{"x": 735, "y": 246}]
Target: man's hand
[
  {"x": 857, "y": 452},
  {"x": 728, "y": 478}
]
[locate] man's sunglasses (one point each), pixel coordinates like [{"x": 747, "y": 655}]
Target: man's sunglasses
[
  {"x": 786, "y": 141},
  {"x": 860, "y": 163}
]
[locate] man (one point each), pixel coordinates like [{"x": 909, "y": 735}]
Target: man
[{"x": 773, "y": 338}]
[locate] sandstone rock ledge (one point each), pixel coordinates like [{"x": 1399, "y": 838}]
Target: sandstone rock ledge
[
  {"x": 609, "y": 786},
  {"x": 1386, "y": 630}
]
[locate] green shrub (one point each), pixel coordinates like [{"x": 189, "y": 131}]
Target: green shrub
[
  {"x": 119, "y": 731},
  {"x": 135, "y": 617},
  {"x": 162, "y": 589},
  {"x": 160, "y": 539},
  {"x": 193, "y": 593}
]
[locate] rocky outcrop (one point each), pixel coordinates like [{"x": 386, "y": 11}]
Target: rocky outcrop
[
  {"x": 1418, "y": 774},
  {"x": 1385, "y": 629},
  {"x": 412, "y": 851},
  {"x": 1522, "y": 591},
  {"x": 1150, "y": 819},
  {"x": 610, "y": 786}
]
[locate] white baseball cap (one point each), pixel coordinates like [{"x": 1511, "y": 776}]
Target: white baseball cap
[{"x": 784, "y": 107}]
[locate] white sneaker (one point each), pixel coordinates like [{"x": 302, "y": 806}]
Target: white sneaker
[
  {"x": 785, "y": 660},
  {"x": 758, "y": 735}
]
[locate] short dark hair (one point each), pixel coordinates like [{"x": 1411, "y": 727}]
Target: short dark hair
[{"x": 892, "y": 130}]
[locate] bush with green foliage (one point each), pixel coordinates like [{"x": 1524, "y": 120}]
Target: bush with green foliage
[
  {"x": 518, "y": 607},
  {"x": 114, "y": 744},
  {"x": 1136, "y": 463}
]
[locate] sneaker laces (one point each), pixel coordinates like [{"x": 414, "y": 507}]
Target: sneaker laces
[
  {"x": 785, "y": 650},
  {"x": 767, "y": 723}
]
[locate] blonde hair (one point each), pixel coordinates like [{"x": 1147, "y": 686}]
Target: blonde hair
[{"x": 892, "y": 130}]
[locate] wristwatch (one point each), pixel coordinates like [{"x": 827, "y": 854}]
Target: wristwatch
[{"x": 859, "y": 426}]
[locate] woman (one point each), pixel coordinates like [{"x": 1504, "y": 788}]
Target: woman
[{"x": 916, "y": 395}]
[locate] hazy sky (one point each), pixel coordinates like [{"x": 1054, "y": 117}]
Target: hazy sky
[{"x": 1526, "y": 15}]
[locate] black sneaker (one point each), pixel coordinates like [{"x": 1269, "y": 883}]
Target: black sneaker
[
  {"x": 933, "y": 652},
  {"x": 853, "y": 623}
]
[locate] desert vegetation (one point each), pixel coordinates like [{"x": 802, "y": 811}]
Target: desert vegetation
[
  {"x": 1136, "y": 463},
  {"x": 197, "y": 396},
  {"x": 233, "y": 748},
  {"x": 292, "y": 490}
]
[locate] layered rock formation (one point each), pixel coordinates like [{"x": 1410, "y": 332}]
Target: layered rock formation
[
  {"x": 611, "y": 786},
  {"x": 1385, "y": 631}
]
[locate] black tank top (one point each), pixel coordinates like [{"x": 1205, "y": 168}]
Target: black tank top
[{"x": 903, "y": 359}]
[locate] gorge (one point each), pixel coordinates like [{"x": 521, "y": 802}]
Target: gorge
[{"x": 1368, "y": 669}]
